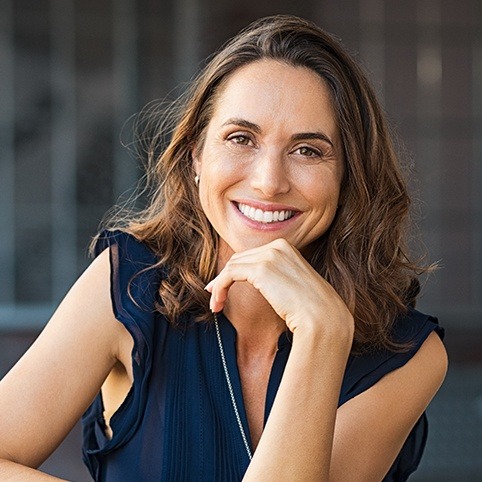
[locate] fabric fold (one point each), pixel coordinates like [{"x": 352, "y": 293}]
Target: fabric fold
[{"x": 134, "y": 288}]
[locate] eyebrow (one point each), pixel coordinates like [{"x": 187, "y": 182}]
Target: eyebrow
[
  {"x": 243, "y": 123},
  {"x": 305, "y": 136},
  {"x": 302, "y": 136}
]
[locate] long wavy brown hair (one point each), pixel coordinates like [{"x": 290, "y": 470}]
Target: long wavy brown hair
[{"x": 363, "y": 254}]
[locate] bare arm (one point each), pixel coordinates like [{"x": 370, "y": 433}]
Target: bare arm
[
  {"x": 47, "y": 391},
  {"x": 371, "y": 428},
  {"x": 306, "y": 437},
  {"x": 302, "y": 441},
  {"x": 11, "y": 471},
  {"x": 297, "y": 441}
]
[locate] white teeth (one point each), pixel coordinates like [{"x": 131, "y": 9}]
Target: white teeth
[{"x": 264, "y": 216}]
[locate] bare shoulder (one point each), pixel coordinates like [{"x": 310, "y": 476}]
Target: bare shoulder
[
  {"x": 372, "y": 427},
  {"x": 430, "y": 363},
  {"x": 50, "y": 387},
  {"x": 422, "y": 375},
  {"x": 86, "y": 311}
]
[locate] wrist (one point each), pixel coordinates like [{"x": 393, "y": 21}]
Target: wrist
[{"x": 335, "y": 336}]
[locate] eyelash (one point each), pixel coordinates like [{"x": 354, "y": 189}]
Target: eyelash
[
  {"x": 313, "y": 152},
  {"x": 236, "y": 137},
  {"x": 246, "y": 139}
]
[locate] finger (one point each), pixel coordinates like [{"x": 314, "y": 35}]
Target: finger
[
  {"x": 279, "y": 245},
  {"x": 220, "y": 288},
  {"x": 209, "y": 286},
  {"x": 266, "y": 278},
  {"x": 234, "y": 271}
]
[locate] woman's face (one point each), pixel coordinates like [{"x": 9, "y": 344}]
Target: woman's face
[{"x": 271, "y": 164}]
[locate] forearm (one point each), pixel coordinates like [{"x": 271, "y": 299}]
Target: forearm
[
  {"x": 11, "y": 471},
  {"x": 297, "y": 441}
]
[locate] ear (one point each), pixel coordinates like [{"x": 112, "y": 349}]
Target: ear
[{"x": 196, "y": 160}]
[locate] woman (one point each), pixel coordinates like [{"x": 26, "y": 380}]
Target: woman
[{"x": 256, "y": 321}]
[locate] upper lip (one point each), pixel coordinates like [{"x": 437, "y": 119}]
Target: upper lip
[{"x": 266, "y": 206}]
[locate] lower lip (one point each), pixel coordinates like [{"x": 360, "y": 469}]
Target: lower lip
[{"x": 274, "y": 226}]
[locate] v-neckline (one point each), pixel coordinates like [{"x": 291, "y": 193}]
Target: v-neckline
[{"x": 229, "y": 338}]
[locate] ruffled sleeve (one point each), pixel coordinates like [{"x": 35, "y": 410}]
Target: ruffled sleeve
[
  {"x": 364, "y": 371},
  {"x": 134, "y": 290}
]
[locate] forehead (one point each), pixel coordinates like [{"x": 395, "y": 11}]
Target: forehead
[{"x": 270, "y": 91}]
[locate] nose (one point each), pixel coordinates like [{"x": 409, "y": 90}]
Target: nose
[{"x": 269, "y": 175}]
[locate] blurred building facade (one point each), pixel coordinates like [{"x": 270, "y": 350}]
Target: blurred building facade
[{"x": 73, "y": 72}]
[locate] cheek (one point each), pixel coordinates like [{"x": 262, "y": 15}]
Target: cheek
[
  {"x": 320, "y": 190},
  {"x": 218, "y": 174},
  {"x": 219, "y": 171}
]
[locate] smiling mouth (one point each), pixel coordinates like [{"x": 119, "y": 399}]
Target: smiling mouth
[{"x": 264, "y": 216}]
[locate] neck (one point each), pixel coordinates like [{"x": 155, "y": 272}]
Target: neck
[{"x": 257, "y": 325}]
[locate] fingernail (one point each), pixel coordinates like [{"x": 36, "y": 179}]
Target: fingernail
[{"x": 209, "y": 285}]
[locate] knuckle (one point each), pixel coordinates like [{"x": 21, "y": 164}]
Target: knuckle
[
  {"x": 262, "y": 268},
  {"x": 271, "y": 255},
  {"x": 229, "y": 265},
  {"x": 280, "y": 243},
  {"x": 234, "y": 256}
]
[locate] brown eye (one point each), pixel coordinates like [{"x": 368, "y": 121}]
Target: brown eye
[
  {"x": 308, "y": 152},
  {"x": 240, "y": 139}
]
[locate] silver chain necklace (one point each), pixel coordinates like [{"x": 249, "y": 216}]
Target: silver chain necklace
[{"x": 230, "y": 387}]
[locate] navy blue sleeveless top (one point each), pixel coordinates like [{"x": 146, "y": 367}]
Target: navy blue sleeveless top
[{"x": 177, "y": 423}]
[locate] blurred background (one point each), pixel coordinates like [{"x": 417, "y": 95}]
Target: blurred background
[{"x": 74, "y": 71}]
